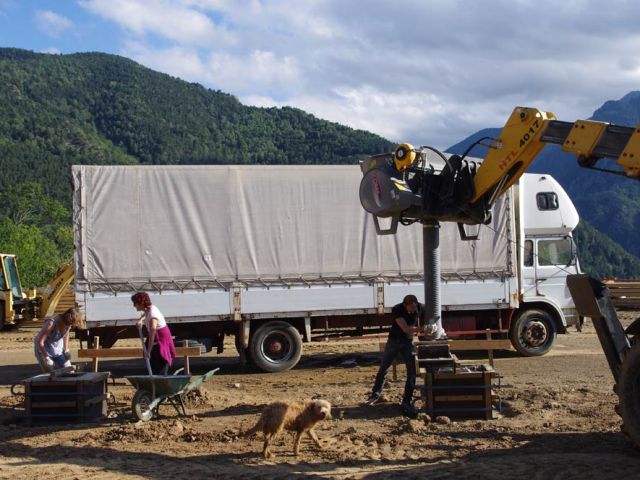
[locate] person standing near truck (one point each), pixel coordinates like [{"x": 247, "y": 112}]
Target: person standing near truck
[
  {"x": 160, "y": 348},
  {"x": 400, "y": 342},
  {"x": 51, "y": 344}
]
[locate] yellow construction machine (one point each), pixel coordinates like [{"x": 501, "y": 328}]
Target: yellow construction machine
[
  {"x": 409, "y": 185},
  {"x": 16, "y": 305}
]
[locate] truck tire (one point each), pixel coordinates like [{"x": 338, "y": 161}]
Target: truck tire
[
  {"x": 2, "y": 315},
  {"x": 533, "y": 332},
  {"x": 628, "y": 390},
  {"x": 275, "y": 347}
]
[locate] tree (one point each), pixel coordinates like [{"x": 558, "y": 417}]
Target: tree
[{"x": 38, "y": 256}]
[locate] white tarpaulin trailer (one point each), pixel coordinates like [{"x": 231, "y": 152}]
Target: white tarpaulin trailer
[{"x": 264, "y": 224}]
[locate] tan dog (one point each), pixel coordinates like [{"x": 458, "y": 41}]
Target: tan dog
[{"x": 298, "y": 417}]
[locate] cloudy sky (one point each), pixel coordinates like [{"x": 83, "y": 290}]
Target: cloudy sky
[{"x": 426, "y": 71}]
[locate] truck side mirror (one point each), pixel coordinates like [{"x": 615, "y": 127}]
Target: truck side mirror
[{"x": 574, "y": 253}]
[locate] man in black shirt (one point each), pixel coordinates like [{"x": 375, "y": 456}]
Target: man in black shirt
[{"x": 400, "y": 342}]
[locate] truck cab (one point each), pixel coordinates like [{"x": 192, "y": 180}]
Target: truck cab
[{"x": 547, "y": 254}]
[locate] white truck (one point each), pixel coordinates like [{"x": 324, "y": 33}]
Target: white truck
[{"x": 278, "y": 255}]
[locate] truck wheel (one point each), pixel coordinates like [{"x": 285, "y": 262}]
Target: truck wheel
[
  {"x": 1, "y": 315},
  {"x": 628, "y": 389},
  {"x": 533, "y": 332},
  {"x": 275, "y": 347}
]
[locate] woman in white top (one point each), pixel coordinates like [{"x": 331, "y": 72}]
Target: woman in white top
[
  {"x": 160, "y": 348},
  {"x": 51, "y": 345}
]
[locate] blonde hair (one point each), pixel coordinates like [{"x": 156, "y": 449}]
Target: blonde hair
[{"x": 72, "y": 317}]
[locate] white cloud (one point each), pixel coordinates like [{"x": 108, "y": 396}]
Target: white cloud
[
  {"x": 52, "y": 23},
  {"x": 256, "y": 70},
  {"x": 426, "y": 72},
  {"x": 52, "y": 50},
  {"x": 177, "y": 61},
  {"x": 162, "y": 18}
]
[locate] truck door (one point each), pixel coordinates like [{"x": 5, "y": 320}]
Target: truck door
[
  {"x": 529, "y": 285},
  {"x": 553, "y": 259}
]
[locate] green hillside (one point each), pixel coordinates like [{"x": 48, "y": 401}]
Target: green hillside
[
  {"x": 94, "y": 108},
  {"x": 56, "y": 110},
  {"x": 601, "y": 257}
]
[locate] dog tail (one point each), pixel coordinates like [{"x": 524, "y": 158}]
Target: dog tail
[{"x": 252, "y": 431}]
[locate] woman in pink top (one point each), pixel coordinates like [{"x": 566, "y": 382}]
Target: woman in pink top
[{"x": 160, "y": 348}]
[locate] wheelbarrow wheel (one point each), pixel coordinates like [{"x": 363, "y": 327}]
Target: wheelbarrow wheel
[{"x": 140, "y": 405}]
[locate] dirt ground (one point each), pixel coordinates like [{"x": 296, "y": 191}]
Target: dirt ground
[{"x": 557, "y": 420}]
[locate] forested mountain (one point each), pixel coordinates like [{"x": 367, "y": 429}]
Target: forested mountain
[
  {"x": 609, "y": 203},
  {"x": 94, "y": 108},
  {"x": 602, "y": 257}
]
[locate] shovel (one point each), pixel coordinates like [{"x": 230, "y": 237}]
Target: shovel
[{"x": 144, "y": 351}]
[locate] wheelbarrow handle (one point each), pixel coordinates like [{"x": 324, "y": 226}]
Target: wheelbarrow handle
[
  {"x": 15, "y": 392},
  {"x": 199, "y": 381},
  {"x": 144, "y": 351}
]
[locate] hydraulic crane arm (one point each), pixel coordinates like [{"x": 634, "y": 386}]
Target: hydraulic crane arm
[
  {"x": 53, "y": 292},
  {"x": 526, "y": 132},
  {"x": 406, "y": 187}
]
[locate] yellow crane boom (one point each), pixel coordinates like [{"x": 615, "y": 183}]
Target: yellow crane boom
[
  {"x": 403, "y": 186},
  {"x": 50, "y": 296},
  {"x": 529, "y": 129}
]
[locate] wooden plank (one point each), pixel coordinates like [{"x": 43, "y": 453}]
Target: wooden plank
[
  {"x": 622, "y": 283},
  {"x": 185, "y": 344},
  {"x": 488, "y": 368},
  {"x": 70, "y": 404},
  {"x": 491, "y": 350},
  {"x": 458, "y": 398},
  {"x": 94, "y": 363},
  {"x": 131, "y": 352},
  {"x": 626, "y": 302},
  {"x": 431, "y": 343},
  {"x": 458, "y": 376},
  {"x": 428, "y": 380},
  {"x": 624, "y": 294},
  {"x": 487, "y": 396},
  {"x": 494, "y": 344}
]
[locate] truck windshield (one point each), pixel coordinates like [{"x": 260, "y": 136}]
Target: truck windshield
[
  {"x": 12, "y": 276},
  {"x": 554, "y": 252}
]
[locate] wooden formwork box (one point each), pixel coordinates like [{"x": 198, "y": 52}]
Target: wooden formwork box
[
  {"x": 624, "y": 293},
  {"x": 460, "y": 392},
  {"x": 77, "y": 398}
]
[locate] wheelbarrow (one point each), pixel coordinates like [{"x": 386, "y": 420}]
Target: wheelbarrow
[{"x": 153, "y": 390}]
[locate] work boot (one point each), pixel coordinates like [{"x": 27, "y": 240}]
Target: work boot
[
  {"x": 373, "y": 398},
  {"x": 409, "y": 410}
]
